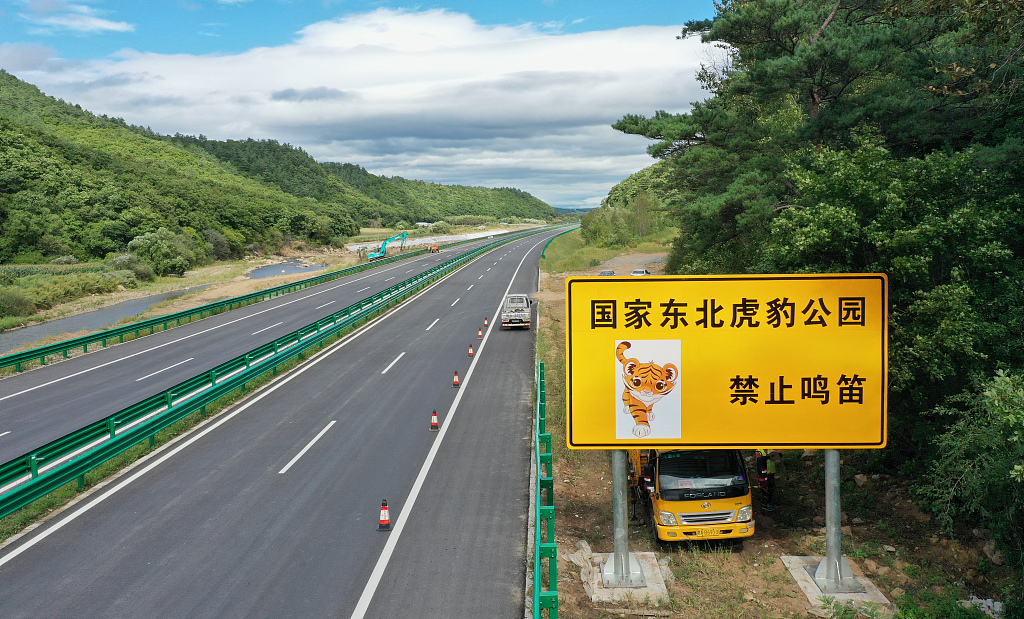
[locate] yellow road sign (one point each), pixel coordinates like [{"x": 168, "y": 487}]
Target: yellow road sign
[{"x": 727, "y": 361}]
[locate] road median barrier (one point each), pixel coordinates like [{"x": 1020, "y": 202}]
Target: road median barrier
[
  {"x": 35, "y": 474},
  {"x": 34, "y": 357}
]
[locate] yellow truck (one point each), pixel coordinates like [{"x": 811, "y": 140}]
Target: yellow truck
[{"x": 692, "y": 494}]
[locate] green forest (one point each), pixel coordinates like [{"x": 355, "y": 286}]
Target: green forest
[
  {"x": 82, "y": 187},
  {"x": 872, "y": 136}
]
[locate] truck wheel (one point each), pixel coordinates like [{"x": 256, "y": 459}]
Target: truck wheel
[{"x": 649, "y": 517}]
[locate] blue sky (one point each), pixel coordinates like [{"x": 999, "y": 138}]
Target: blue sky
[{"x": 479, "y": 93}]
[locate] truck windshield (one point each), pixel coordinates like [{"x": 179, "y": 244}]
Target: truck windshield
[{"x": 704, "y": 474}]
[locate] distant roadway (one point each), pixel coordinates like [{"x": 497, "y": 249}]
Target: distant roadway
[
  {"x": 271, "y": 508},
  {"x": 46, "y": 403}
]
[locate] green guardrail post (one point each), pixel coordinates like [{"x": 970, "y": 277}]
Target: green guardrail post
[
  {"x": 17, "y": 367},
  {"x": 152, "y": 440},
  {"x": 81, "y": 481},
  {"x": 33, "y": 465},
  {"x": 213, "y": 377},
  {"x": 110, "y": 427},
  {"x": 170, "y": 399}
]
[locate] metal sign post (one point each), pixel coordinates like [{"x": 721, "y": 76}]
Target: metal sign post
[
  {"x": 621, "y": 569},
  {"x": 834, "y": 574}
]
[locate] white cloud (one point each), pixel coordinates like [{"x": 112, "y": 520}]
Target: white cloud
[
  {"x": 431, "y": 95},
  {"x": 24, "y": 56},
  {"x": 52, "y": 15}
]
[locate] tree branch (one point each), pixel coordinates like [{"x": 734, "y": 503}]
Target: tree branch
[{"x": 827, "y": 21}]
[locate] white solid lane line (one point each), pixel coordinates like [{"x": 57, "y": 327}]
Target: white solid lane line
[
  {"x": 363, "y": 604},
  {"x": 454, "y": 302},
  {"x": 180, "y": 339},
  {"x": 165, "y": 369},
  {"x": 270, "y": 327},
  {"x": 305, "y": 449},
  {"x": 156, "y": 458},
  {"x": 324, "y": 305},
  {"x": 432, "y": 324},
  {"x": 393, "y": 363}
]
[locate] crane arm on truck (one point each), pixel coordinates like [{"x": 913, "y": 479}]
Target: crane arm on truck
[{"x": 383, "y": 250}]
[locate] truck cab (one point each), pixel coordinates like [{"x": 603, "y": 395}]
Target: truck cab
[
  {"x": 694, "y": 494},
  {"x": 515, "y": 311}
]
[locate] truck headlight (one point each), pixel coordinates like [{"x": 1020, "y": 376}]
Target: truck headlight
[
  {"x": 744, "y": 513},
  {"x": 667, "y": 518}
]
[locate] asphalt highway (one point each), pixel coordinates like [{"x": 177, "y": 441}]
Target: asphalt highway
[
  {"x": 271, "y": 508},
  {"x": 46, "y": 403}
]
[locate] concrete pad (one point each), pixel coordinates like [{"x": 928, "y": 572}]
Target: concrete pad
[
  {"x": 654, "y": 592},
  {"x": 802, "y": 569}
]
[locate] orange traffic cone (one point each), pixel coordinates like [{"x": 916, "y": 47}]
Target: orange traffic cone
[
  {"x": 486, "y": 323},
  {"x": 470, "y": 350},
  {"x": 433, "y": 422},
  {"x": 455, "y": 381},
  {"x": 385, "y": 518},
  {"x": 480, "y": 334}
]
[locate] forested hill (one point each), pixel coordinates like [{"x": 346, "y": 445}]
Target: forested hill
[
  {"x": 381, "y": 200},
  {"x": 76, "y": 184},
  {"x": 73, "y": 183}
]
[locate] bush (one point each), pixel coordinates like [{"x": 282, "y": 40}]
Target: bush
[
  {"x": 142, "y": 271},
  {"x": 220, "y": 247},
  {"x": 14, "y": 302},
  {"x": 472, "y": 220},
  {"x": 126, "y": 278},
  {"x": 441, "y": 227},
  {"x": 168, "y": 253},
  {"x": 978, "y": 477},
  {"x": 64, "y": 260}
]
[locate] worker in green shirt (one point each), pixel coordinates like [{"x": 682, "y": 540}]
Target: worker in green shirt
[{"x": 766, "y": 458}]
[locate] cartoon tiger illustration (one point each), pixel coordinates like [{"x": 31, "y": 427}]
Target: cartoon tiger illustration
[{"x": 646, "y": 383}]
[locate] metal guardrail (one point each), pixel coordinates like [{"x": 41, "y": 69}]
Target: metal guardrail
[
  {"x": 43, "y": 470},
  {"x": 545, "y": 597},
  {"x": 555, "y": 237},
  {"x": 138, "y": 329}
]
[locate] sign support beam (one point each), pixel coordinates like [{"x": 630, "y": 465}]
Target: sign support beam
[
  {"x": 834, "y": 574},
  {"x": 621, "y": 569}
]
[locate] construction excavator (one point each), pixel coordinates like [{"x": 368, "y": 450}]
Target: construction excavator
[{"x": 383, "y": 250}]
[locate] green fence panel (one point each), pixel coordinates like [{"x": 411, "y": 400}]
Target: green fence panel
[{"x": 545, "y": 595}]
